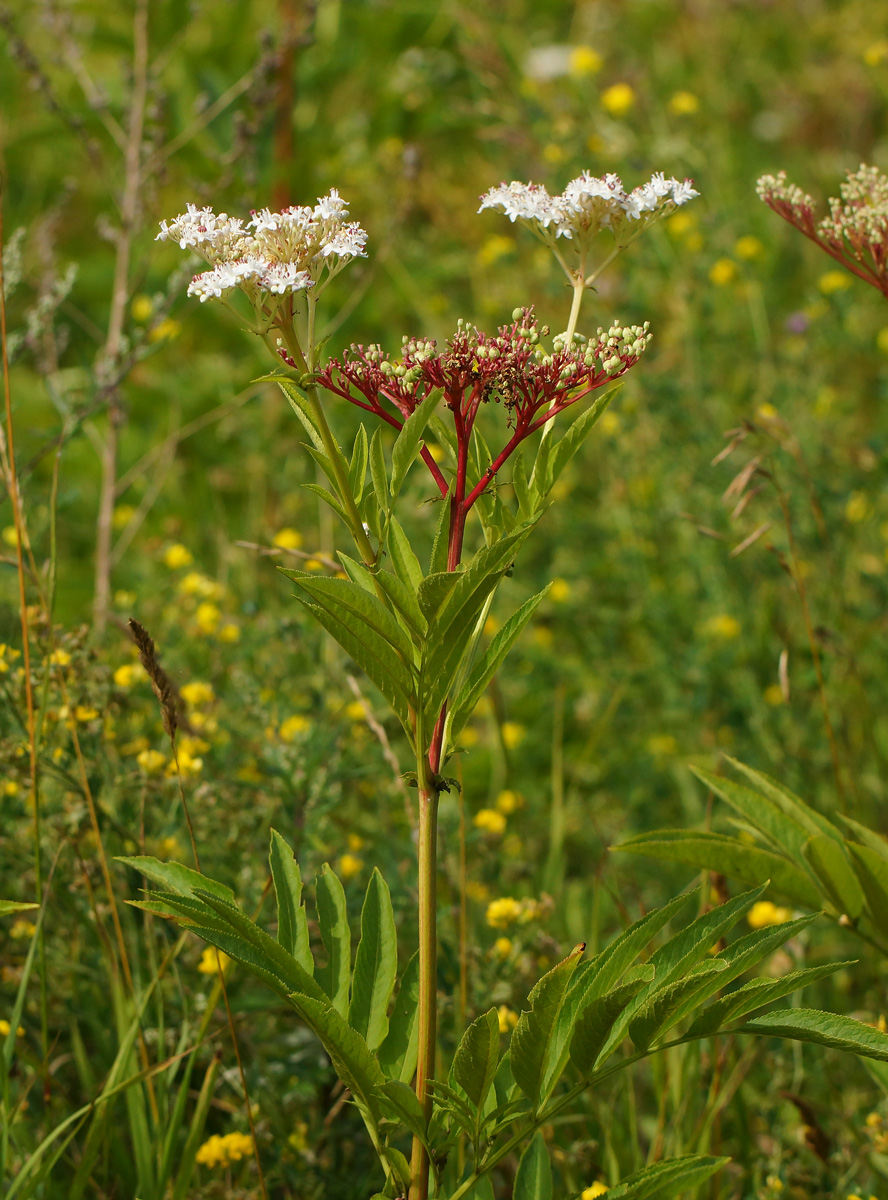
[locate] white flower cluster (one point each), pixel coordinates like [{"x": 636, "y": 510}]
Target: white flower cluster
[
  {"x": 589, "y": 203},
  {"x": 272, "y": 252}
]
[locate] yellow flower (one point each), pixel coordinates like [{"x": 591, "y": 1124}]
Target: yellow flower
[
  {"x": 503, "y": 947},
  {"x": 554, "y": 153},
  {"x": 207, "y": 617},
  {"x": 597, "y": 1189},
  {"x": 197, "y": 584},
  {"x": 9, "y": 535},
  {"x": 875, "y": 53},
  {"x": 723, "y": 271},
  {"x": 508, "y": 1019},
  {"x": 83, "y": 713},
  {"x": 287, "y": 539},
  {"x": 220, "y": 1151},
  {"x": 5, "y": 1028},
  {"x": 60, "y": 658},
  {"x": 559, "y": 590},
  {"x": 188, "y": 764},
  {"x": 543, "y": 636},
  {"x": 882, "y": 340},
  {"x": 584, "y": 61},
  {"x": 314, "y": 564},
  {"x": 501, "y": 913},
  {"x": 684, "y": 104},
  {"x": 170, "y": 847},
  {"x": 662, "y": 745},
  {"x": 857, "y": 509},
  {"x": 765, "y": 912},
  {"x": 127, "y": 675},
  {"x": 165, "y": 331},
  {"x": 355, "y": 711},
  {"x": 469, "y": 735},
  {"x": 491, "y": 625},
  {"x": 142, "y": 307},
  {"x": 349, "y": 865},
  {"x": 122, "y": 515},
  {"x": 123, "y": 599},
  {"x": 618, "y": 99},
  {"x": 151, "y": 761},
  {"x": 22, "y": 928},
  {"x": 229, "y": 632},
  {"x": 749, "y": 247},
  {"x": 355, "y": 841},
  {"x": 774, "y": 695},
  {"x": 497, "y": 246},
  {"x": 489, "y": 820},
  {"x": 10, "y": 788},
  {"x": 292, "y": 727},
  {"x": 211, "y": 960},
  {"x": 834, "y": 281},
  {"x": 681, "y": 224},
  {"x": 508, "y": 801},
  {"x": 722, "y": 626},
  {"x": 177, "y": 556},
  {"x": 197, "y": 692},
  {"x": 513, "y": 734}
]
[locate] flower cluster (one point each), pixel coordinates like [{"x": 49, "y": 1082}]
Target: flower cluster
[
  {"x": 856, "y": 231},
  {"x": 220, "y": 1151},
  {"x": 276, "y": 253},
  {"x": 512, "y": 368},
  {"x": 589, "y": 204}
]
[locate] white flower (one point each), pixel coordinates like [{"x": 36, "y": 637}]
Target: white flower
[
  {"x": 682, "y": 192},
  {"x": 331, "y": 207},
  {"x": 224, "y": 277},
  {"x": 285, "y": 277},
  {"x": 348, "y": 242},
  {"x": 521, "y": 201}
]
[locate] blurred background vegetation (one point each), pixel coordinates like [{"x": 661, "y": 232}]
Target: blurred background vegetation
[{"x": 138, "y": 429}]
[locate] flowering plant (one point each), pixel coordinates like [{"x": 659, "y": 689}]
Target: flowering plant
[{"x": 416, "y": 634}]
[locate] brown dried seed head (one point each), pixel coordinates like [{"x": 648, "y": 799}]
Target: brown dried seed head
[{"x": 161, "y": 683}]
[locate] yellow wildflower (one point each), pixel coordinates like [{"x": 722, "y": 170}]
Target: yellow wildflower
[
  {"x": 122, "y": 515},
  {"x": 765, "y": 912},
  {"x": 22, "y": 928},
  {"x": 292, "y": 727},
  {"x": 857, "y": 509},
  {"x": 207, "y": 617},
  {"x": 774, "y": 695},
  {"x": 127, "y": 675},
  {"x": 882, "y": 340},
  {"x": 502, "y": 912},
  {"x": 554, "y": 153},
  {"x": 124, "y": 599},
  {"x": 508, "y": 1018},
  {"x": 497, "y": 246},
  {"x": 681, "y": 224},
  {"x": 211, "y": 960},
  {"x": 10, "y": 536},
  {"x": 491, "y": 625},
  {"x": 559, "y": 590},
  {"x": 543, "y": 636},
  {"x": 165, "y": 330},
  {"x": 197, "y": 692},
  {"x": 597, "y": 1189},
  {"x": 489, "y": 820},
  {"x": 503, "y": 947},
  {"x": 508, "y": 801},
  {"x": 177, "y": 556},
  {"x": 723, "y": 271},
  {"x": 10, "y": 788},
  {"x": 287, "y": 539},
  {"x": 618, "y": 99},
  {"x": 684, "y": 104},
  {"x": 834, "y": 281},
  {"x": 722, "y": 626},
  {"x": 662, "y": 745},
  {"x": 151, "y": 761},
  {"x": 83, "y": 713},
  {"x": 584, "y": 60},
  {"x": 229, "y": 632},
  {"x": 749, "y": 247},
  {"x": 355, "y": 842},
  {"x": 875, "y": 53},
  {"x": 5, "y": 1028},
  {"x": 142, "y": 308},
  {"x": 197, "y": 584},
  {"x": 188, "y": 763},
  {"x": 355, "y": 711},
  {"x": 170, "y": 847},
  {"x": 513, "y": 734},
  {"x": 60, "y": 658},
  {"x": 349, "y": 865},
  {"x": 220, "y": 1151},
  {"x": 314, "y": 564}
]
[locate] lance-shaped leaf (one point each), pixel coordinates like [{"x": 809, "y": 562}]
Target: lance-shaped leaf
[
  {"x": 401, "y": 1103},
  {"x": 292, "y": 920},
  {"x": 663, "y": 1009},
  {"x": 787, "y": 801},
  {"x": 346, "y": 599},
  {"x": 376, "y": 964},
  {"x": 828, "y": 860},
  {"x": 300, "y": 405},
  {"x": 490, "y": 661},
  {"x": 352, "y": 1059},
  {"x": 671, "y": 1177},
  {"x": 869, "y": 837},
  {"x": 14, "y": 906},
  {"x": 872, "y": 870},
  {"x": 438, "y": 559},
  {"x": 357, "y": 468},
  {"x": 520, "y": 484},
  {"x": 378, "y": 473},
  {"x": 729, "y": 856},
  {"x": 786, "y": 832},
  {"x": 533, "y": 1180},
  {"x": 826, "y": 1029},
  {"x": 576, "y": 433},
  {"x": 406, "y": 605},
  {"x": 531, "y": 1041},
  {"x": 477, "y": 1057},
  {"x": 178, "y": 878},
  {"x": 398, "y": 1053},
  {"x": 407, "y": 442},
  {"x": 404, "y": 562},
  {"x": 595, "y": 1022},
  {"x": 336, "y": 936},
  {"x": 329, "y": 499},
  {"x": 756, "y": 994},
  {"x": 434, "y": 590}
]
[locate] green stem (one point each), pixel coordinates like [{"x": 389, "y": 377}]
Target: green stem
[{"x": 428, "y": 967}]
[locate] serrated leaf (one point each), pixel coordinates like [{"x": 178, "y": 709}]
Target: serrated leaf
[
  {"x": 292, "y": 921},
  {"x": 438, "y": 560},
  {"x": 397, "y": 1054},
  {"x": 404, "y": 600},
  {"x": 829, "y": 862},
  {"x": 378, "y": 472},
  {"x": 434, "y": 590},
  {"x": 787, "y": 801},
  {"x": 175, "y": 876},
  {"x": 869, "y": 837},
  {"x": 336, "y": 936},
  {"x": 357, "y": 468},
  {"x": 826, "y": 1029},
  {"x": 402, "y": 1102},
  {"x": 407, "y": 442},
  {"x": 376, "y": 964},
  {"x": 534, "y": 1178},
  {"x": 300, "y": 405},
  {"x": 592, "y": 1029},
  {"x": 660, "y": 1011},
  {"x": 756, "y": 994},
  {"x": 491, "y": 660},
  {"x": 728, "y": 856},
  {"x": 448, "y": 1098},
  {"x": 671, "y": 1177},
  {"x": 576, "y": 433},
  {"x": 329, "y": 499},
  {"x": 532, "y": 1036},
  {"x": 785, "y": 832},
  {"x": 872, "y": 870},
  {"x": 477, "y": 1057},
  {"x": 354, "y": 1063},
  {"x": 350, "y": 603},
  {"x": 404, "y": 562},
  {"x": 248, "y": 955}
]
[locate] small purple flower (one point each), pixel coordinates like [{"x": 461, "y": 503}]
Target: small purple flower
[{"x": 796, "y": 322}]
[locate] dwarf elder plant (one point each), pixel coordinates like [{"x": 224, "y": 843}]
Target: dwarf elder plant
[{"x": 510, "y": 407}]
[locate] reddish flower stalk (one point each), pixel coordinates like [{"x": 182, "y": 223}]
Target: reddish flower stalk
[{"x": 855, "y": 233}]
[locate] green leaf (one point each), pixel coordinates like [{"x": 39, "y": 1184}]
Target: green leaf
[
  {"x": 519, "y": 483},
  {"x": 576, "y": 434},
  {"x": 534, "y": 1178},
  {"x": 14, "y": 906},
  {"x": 375, "y": 964},
  {"x": 785, "y": 832},
  {"x": 404, "y": 562},
  {"x": 176, "y": 877},
  {"x": 407, "y": 442},
  {"x": 300, "y": 405},
  {"x": 592, "y": 1029},
  {"x": 826, "y": 1029},
  {"x": 397, "y": 1054},
  {"x": 787, "y": 801},
  {"x": 335, "y": 934},
  {"x": 532, "y": 1038},
  {"x": 448, "y": 1098},
  {"x": 477, "y": 1057},
  {"x": 357, "y": 470},
  {"x": 352, "y": 605},
  {"x": 869, "y": 837},
  {"x": 438, "y": 560},
  {"x": 292, "y": 921},
  {"x": 254, "y": 960},
  {"x": 663, "y": 1009},
  {"x": 327, "y": 496},
  {"x": 402, "y": 1102},
  {"x": 434, "y": 590},
  {"x": 671, "y": 1177},
  {"x": 872, "y": 870},
  {"x": 351, "y": 1057},
  {"x": 491, "y": 660},
  {"x": 378, "y": 472},
  {"x": 728, "y": 856},
  {"x": 404, "y": 600},
  {"x": 756, "y": 994},
  {"x": 829, "y": 862}
]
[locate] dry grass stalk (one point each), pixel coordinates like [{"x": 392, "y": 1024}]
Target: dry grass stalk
[{"x": 164, "y": 690}]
